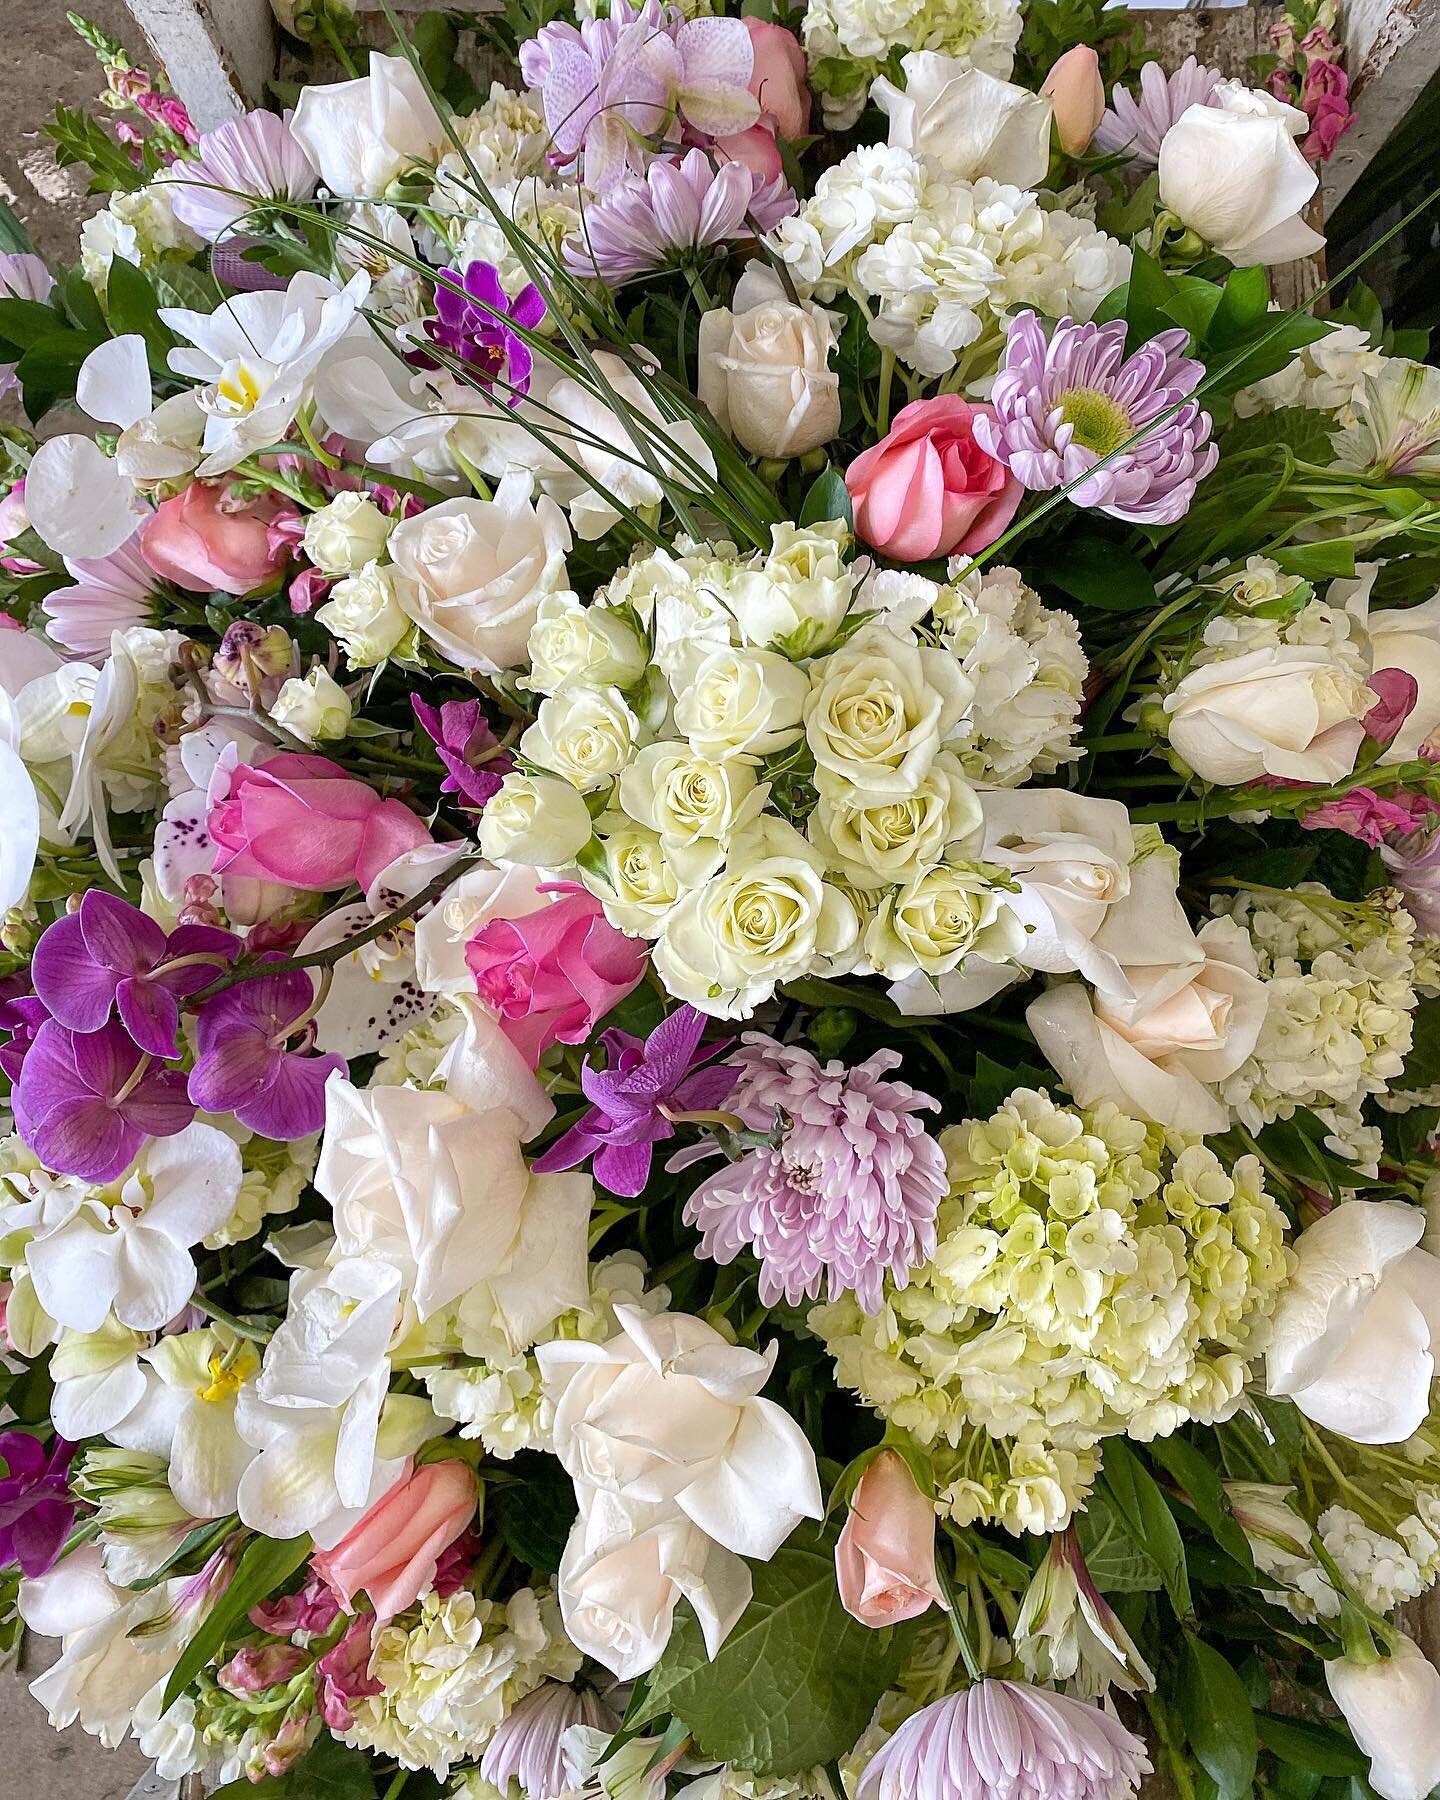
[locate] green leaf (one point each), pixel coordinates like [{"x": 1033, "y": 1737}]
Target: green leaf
[
  {"x": 1219, "y": 1720},
  {"x": 1146, "y": 302},
  {"x": 994, "y": 1083},
  {"x": 1320, "y": 562},
  {"x": 1148, "y": 1520},
  {"x": 1319, "y": 1749},
  {"x": 1422, "y": 1065},
  {"x": 25, "y": 322},
  {"x": 50, "y": 369},
  {"x": 535, "y": 1511},
  {"x": 1116, "y": 1562},
  {"x": 134, "y": 308},
  {"x": 1299, "y": 428},
  {"x": 796, "y": 1681},
  {"x": 14, "y": 238},
  {"x": 1243, "y": 309},
  {"x": 1192, "y": 304},
  {"x": 182, "y": 284},
  {"x": 1252, "y": 1454},
  {"x": 265, "y": 1563},
  {"x": 1197, "y": 1477},
  {"x": 1097, "y": 573},
  {"x": 829, "y": 498}
]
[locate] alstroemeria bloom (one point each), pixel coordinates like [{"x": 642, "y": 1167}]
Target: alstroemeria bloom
[
  {"x": 1358, "y": 1323},
  {"x": 668, "y": 1412},
  {"x": 87, "y": 1100}
]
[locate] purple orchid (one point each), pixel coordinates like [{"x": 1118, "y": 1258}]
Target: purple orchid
[
  {"x": 634, "y": 1098},
  {"x": 246, "y": 1065},
  {"x": 469, "y": 749},
  {"x": 36, "y": 1511},
  {"x": 21, "y": 1015},
  {"x": 477, "y": 327},
  {"x": 109, "y": 955},
  {"x": 87, "y": 1100}
]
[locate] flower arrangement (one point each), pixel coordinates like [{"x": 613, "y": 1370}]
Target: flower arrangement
[{"x": 721, "y": 953}]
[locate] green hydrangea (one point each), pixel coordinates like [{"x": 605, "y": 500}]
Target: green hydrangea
[{"x": 1094, "y": 1275}]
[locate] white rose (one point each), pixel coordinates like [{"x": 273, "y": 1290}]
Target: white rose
[
  {"x": 584, "y": 735},
  {"x": 879, "y": 710},
  {"x": 624, "y": 1568},
  {"x": 1408, "y": 638},
  {"x": 766, "y": 917},
  {"x": 1391, "y": 1707},
  {"x": 1233, "y": 174},
  {"x": 478, "y": 569},
  {"x": 1292, "y": 710},
  {"x": 480, "y": 894},
  {"x": 314, "y": 708},
  {"x": 641, "y": 883},
  {"x": 765, "y": 369},
  {"x": 798, "y": 598},
  {"x": 742, "y": 703},
  {"x": 594, "y": 646},
  {"x": 687, "y": 798},
  {"x": 363, "y": 134},
  {"x": 345, "y": 535},
  {"x": 963, "y": 123},
  {"x": 1181, "y": 1012},
  {"x": 879, "y": 843},
  {"x": 541, "y": 821},
  {"x": 933, "y": 923},
  {"x": 364, "y": 613},
  {"x": 1355, "y": 1329},
  {"x": 669, "y": 1413}
]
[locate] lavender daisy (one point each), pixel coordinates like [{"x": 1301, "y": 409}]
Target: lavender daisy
[
  {"x": 1138, "y": 126},
  {"x": 238, "y": 167},
  {"x": 1059, "y": 408},
  {"x": 678, "y": 205},
  {"x": 850, "y": 1192},
  {"x": 529, "y": 1746},
  {"x": 108, "y": 593}
]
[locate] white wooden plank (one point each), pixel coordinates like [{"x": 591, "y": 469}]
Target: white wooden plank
[
  {"x": 217, "y": 54},
  {"x": 1392, "y": 51}
]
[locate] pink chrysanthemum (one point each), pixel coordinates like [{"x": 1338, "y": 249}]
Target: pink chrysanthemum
[
  {"x": 1059, "y": 407},
  {"x": 239, "y": 166},
  {"x": 529, "y": 1747},
  {"x": 1006, "y": 1741},
  {"x": 1138, "y": 126},
  {"x": 849, "y": 1195},
  {"x": 676, "y": 205},
  {"x": 108, "y": 594}
]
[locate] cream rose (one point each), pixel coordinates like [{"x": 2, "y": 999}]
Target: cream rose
[
  {"x": 363, "y": 134},
  {"x": 314, "y": 708},
  {"x": 641, "y": 884},
  {"x": 963, "y": 123},
  {"x": 592, "y": 646},
  {"x": 584, "y": 735},
  {"x": 1293, "y": 710},
  {"x": 345, "y": 535},
  {"x": 931, "y": 925},
  {"x": 797, "y": 599},
  {"x": 766, "y": 917},
  {"x": 742, "y": 703},
  {"x": 538, "y": 820},
  {"x": 879, "y": 711},
  {"x": 365, "y": 614},
  {"x": 687, "y": 798},
  {"x": 881, "y": 843},
  {"x": 477, "y": 570},
  {"x": 765, "y": 369}
]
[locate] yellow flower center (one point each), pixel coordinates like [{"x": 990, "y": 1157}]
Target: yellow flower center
[
  {"x": 238, "y": 387},
  {"x": 1099, "y": 423},
  {"x": 228, "y": 1375}
]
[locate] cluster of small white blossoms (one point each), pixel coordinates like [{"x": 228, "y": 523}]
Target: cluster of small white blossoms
[
  {"x": 453, "y": 1669},
  {"x": 498, "y": 1396},
  {"x": 944, "y": 259},
  {"x": 1341, "y": 986},
  {"x": 847, "y": 42},
  {"x": 774, "y": 754},
  {"x": 1382, "y": 1569},
  {"x": 139, "y": 227},
  {"x": 274, "y": 1177},
  {"x": 1093, "y": 1275},
  {"x": 1324, "y": 376}
]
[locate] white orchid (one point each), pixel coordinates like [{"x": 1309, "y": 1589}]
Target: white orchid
[
  {"x": 98, "y": 1380},
  {"x": 187, "y": 1415}
]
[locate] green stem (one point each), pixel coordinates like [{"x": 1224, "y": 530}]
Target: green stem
[
  {"x": 233, "y": 1323},
  {"x": 1155, "y": 1707},
  {"x": 962, "y": 1637},
  {"x": 332, "y": 38}
]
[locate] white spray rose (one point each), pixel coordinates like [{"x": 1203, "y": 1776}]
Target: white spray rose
[
  {"x": 765, "y": 368},
  {"x": 1231, "y": 172},
  {"x": 593, "y": 646},
  {"x": 584, "y": 735},
  {"x": 477, "y": 571},
  {"x": 742, "y": 703},
  {"x": 643, "y": 880},
  {"x": 364, "y": 613},
  {"x": 931, "y": 925},
  {"x": 538, "y": 820},
  {"x": 963, "y": 123},
  {"x": 687, "y": 798},
  {"x": 1392, "y": 1708},
  {"x": 363, "y": 134},
  {"x": 1355, "y": 1329},
  {"x": 797, "y": 598},
  {"x": 879, "y": 710},
  {"x": 315, "y": 708},
  {"x": 341, "y": 537},
  {"x": 878, "y": 843}
]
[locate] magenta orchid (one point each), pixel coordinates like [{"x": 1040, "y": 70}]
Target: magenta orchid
[
  {"x": 37, "y": 1513},
  {"x": 476, "y": 322},
  {"x": 246, "y": 1062},
  {"x": 87, "y": 1100},
  {"x": 474, "y": 763}
]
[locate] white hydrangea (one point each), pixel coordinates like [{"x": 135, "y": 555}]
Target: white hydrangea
[
  {"x": 139, "y": 227},
  {"x": 273, "y": 1179},
  {"x": 856, "y": 201},
  {"x": 1029, "y": 673},
  {"x": 847, "y": 42},
  {"x": 414, "y": 1059},
  {"x": 505, "y": 140},
  {"x": 451, "y": 1672},
  {"x": 1322, "y": 377}
]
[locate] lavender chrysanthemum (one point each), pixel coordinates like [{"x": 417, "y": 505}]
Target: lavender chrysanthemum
[
  {"x": 1059, "y": 407},
  {"x": 107, "y": 593},
  {"x": 238, "y": 167},
  {"x": 1413, "y": 861},
  {"x": 1003, "y": 1740},
  {"x": 850, "y": 1193},
  {"x": 676, "y": 205},
  {"x": 528, "y": 1747},
  {"x": 1137, "y": 126}
]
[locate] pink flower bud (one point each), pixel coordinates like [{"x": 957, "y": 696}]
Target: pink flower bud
[
  {"x": 927, "y": 488},
  {"x": 1077, "y": 92},
  {"x": 392, "y": 1553},
  {"x": 344, "y": 1674},
  {"x": 885, "y": 1559},
  {"x": 261, "y": 1666}
]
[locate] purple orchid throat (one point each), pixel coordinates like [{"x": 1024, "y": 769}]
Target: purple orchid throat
[
  {"x": 635, "y": 1098},
  {"x": 474, "y": 763},
  {"x": 475, "y": 323},
  {"x": 246, "y": 1064},
  {"x": 37, "y": 1513}
]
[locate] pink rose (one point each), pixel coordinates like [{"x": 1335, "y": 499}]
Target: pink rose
[
  {"x": 777, "y": 79},
  {"x": 392, "y": 1553},
  {"x": 757, "y": 148},
  {"x": 1077, "y": 93},
  {"x": 205, "y": 544},
  {"x": 928, "y": 489},
  {"x": 551, "y": 974},
  {"x": 302, "y": 821},
  {"x": 885, "y": 1559}
]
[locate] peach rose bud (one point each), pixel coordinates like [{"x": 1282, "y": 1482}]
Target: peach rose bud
[
  {"x": 1075, "y": 89},
  {"x": 885, "y": 1559},
  {"x": 391, "y": 1554}
]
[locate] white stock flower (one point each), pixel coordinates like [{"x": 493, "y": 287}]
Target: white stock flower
[
  {"x": 593, "y": 646},
  {"x": 538, "y": 820},
  {"x": 314, "y": 707},
  {"x": 585, "y": 735},
  {"x": 364, "y": 613},
  {"x": 879, "y": 710},
  {"x": 344, "y": 535},
  {"x": 1391, "y": 1707},
  {"x": 1355, "y": 1326},
  {"x": 1231, "y": 171},
  {"x": 476, "y": 570},
  {"x": 364, "y": 134},
  {"x": 963, "y": 123}
]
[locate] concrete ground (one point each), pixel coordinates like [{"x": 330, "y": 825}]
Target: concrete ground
[{"x": 42, "y": 61}]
